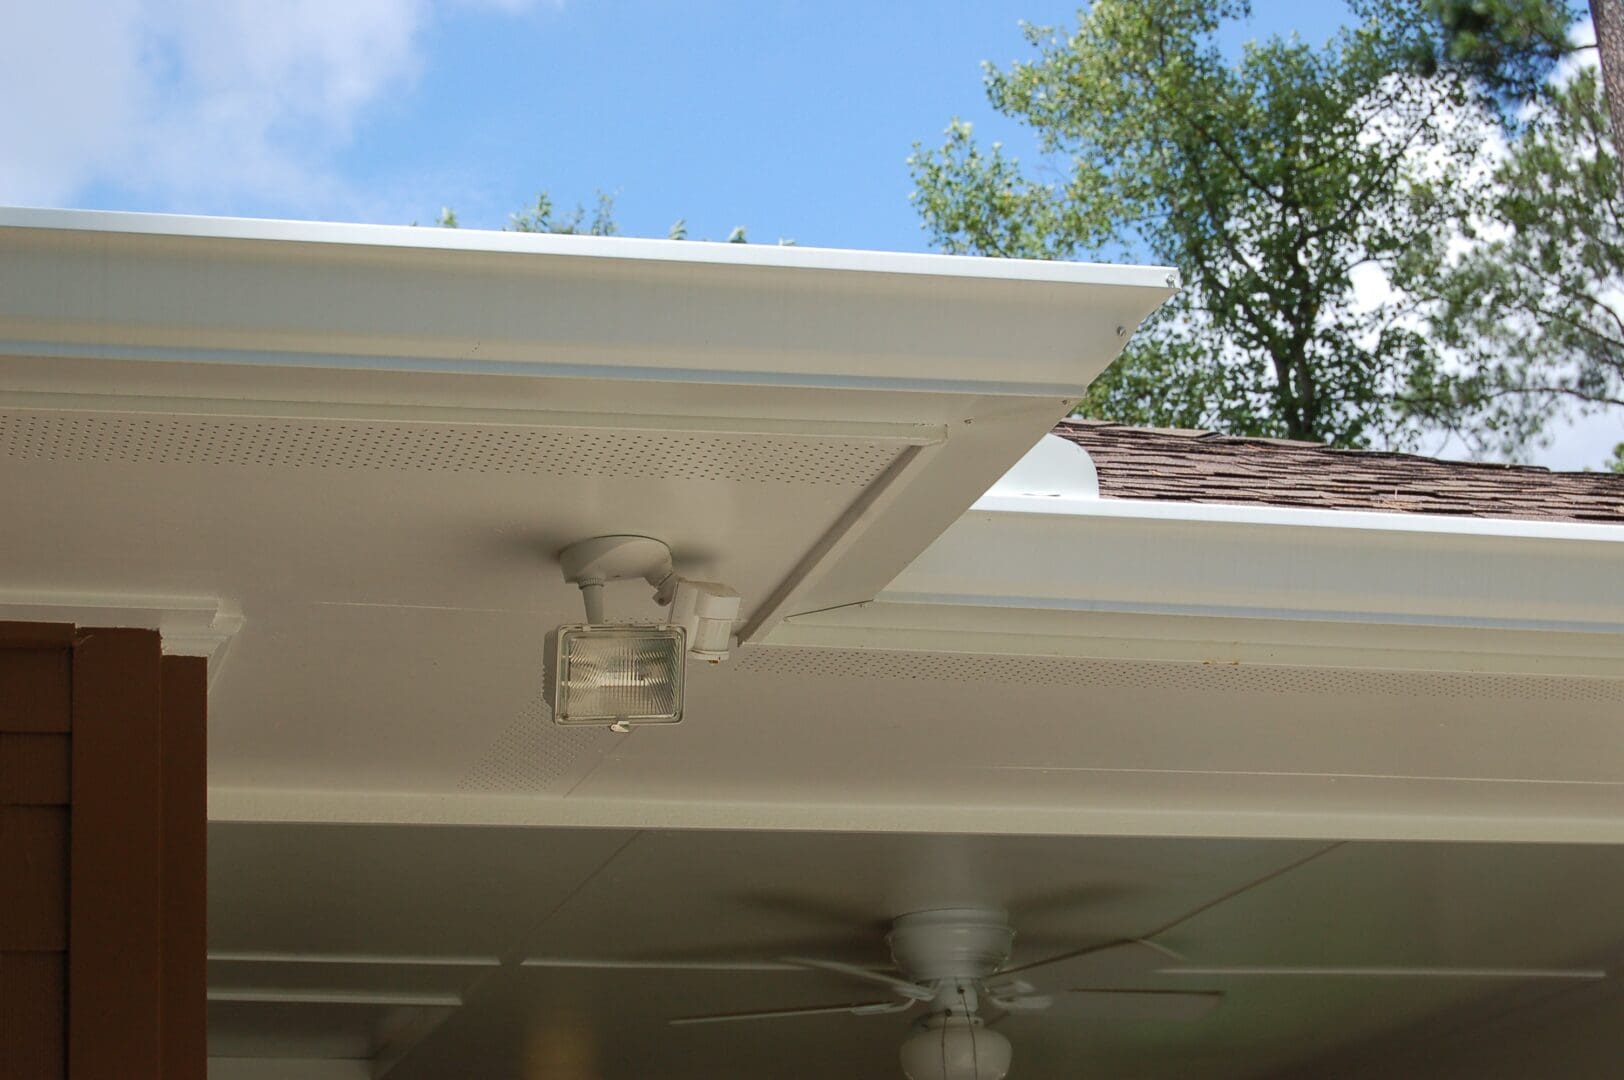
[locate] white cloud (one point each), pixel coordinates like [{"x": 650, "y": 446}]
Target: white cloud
[
  {"x": 1581, "y": 442},
  {"x": 1372, "y": 289},
  {"x": 1583, "y": 37},
  {"x": 197, "y": 100}
]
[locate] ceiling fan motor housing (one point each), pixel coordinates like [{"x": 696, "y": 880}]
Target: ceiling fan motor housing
[{"x": 960, "y": 944}]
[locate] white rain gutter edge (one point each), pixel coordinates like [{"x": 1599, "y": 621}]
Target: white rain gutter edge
[
  {"x": 789, "y": 257},
  {"x": 1295, "y": 517}
]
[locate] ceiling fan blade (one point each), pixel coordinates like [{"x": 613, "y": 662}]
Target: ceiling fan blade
[
  {"x": 812, "y": 911},
  {"x": 1122, "y": 1005},
  {"x": 603, "y": 964},
  {"x": 911, "y": 991},
  {"x": 1016, "y": 995},
  {"x": 873, "y": 1008},
  {"x": 1098, "y": 965},
  {"x": 1022, "y": 1003},
  {"x": 1025, "y": 911},
  {"x": 1372, "y": 972}
]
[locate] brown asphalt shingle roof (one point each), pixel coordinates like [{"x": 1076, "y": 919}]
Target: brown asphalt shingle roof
[{"x": 1200, "y": 466}]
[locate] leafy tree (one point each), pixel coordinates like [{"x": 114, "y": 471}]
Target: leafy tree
[
  {"x": 1608, "y": 17},
  {"x": 1532, "y": 312},
  {"x": 1269, "y": 181},
  {"x": 1508, "y": 46},
  {"x": 545, "y": 217},
  {"x": 1511, "y": 45}
]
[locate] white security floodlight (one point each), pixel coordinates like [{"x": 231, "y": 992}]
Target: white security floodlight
[
  {"x": 624, "y": 674},
  {"x": 616, "y": 675},
  {"x": 706, "y": 611}
]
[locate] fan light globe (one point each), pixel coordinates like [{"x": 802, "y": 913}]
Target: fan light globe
[{"x": 955, "y": 1047}]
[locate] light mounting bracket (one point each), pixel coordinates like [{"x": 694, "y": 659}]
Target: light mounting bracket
[
  {"x": 625, "y": 674},
  {"x": 706, "y": 610}
]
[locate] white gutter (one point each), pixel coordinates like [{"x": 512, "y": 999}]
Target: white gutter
[
  {"x": 618, "y": 248},
  {"x": 252, "y": 294},
  {"x": 1055, "y": 575},
  {"x": 998, "y": 502},
  {"x": 1052, "y": 476}
]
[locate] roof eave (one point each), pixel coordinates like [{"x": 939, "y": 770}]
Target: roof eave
[{"x": 1247, "y": 584}]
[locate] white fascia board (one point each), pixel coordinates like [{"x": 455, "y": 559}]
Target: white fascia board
[
  {"x": 367, "y": 297},
  {"x": 618, "y": 248},
  {"x": 1128, "y": 579}
]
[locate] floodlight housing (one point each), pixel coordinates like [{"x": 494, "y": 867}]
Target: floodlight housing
[
  {"x": 706, "y": 610},
  {"x": 618, "y": 676}
]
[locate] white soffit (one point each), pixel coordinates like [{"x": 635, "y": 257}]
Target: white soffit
[{"x": 153, "y": 343}]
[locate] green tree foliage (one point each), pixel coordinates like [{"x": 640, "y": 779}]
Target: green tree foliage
[
  {"x": 544, "y": 217},
  {"x": 1531, "y": 314},
  {"x": 1269, "y": 181},
  {"x": 1511, "y": 46},
  {"x": 1508, "y": 47}
]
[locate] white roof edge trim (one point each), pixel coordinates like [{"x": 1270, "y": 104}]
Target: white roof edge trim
[
  {"x": 1055, "y": 468},
  {"x": 465, "y": 365},
  {"x": 433, "y": 238},
  {"x": 1295, "y": 517}
]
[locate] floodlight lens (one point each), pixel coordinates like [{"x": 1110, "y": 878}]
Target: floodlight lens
[{"x": 608, "y": 675}]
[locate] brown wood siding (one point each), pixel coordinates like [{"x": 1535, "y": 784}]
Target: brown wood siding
[
  {"x": 185, "y": 821},
  {"x": 102, "y": 848},
  {"x": 33, "y": 1012},
  {"x": 38, "y": 690},
  {"x": 35, "y": 716},
  {"x": 115, "y": 966}
]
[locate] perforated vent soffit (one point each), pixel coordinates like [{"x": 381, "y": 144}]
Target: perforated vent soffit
[
  {"x": 1213, "y": 679},
  {"x": 84, "y": 437}
]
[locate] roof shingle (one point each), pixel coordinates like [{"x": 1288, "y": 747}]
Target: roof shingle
[{"x": 1201, "y": 466}]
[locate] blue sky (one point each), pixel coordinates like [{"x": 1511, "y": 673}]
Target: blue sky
[{"x": 792, "y": 118}]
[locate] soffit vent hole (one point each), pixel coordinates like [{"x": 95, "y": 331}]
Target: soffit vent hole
[
  {"x": 110, "y": 438},
  {"x": 1216, "y": 678},
  {"x": 536, "y": 755}
]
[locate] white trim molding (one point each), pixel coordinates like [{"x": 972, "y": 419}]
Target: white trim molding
[
  {"x": 1123, "y": 579},
  {"x": 187, "y": 625}
]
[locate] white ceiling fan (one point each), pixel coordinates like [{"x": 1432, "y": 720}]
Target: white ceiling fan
[{"x": 952, "y": 963}]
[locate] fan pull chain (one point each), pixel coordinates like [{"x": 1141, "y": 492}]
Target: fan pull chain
[{"x": 975, "y": 1055}]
